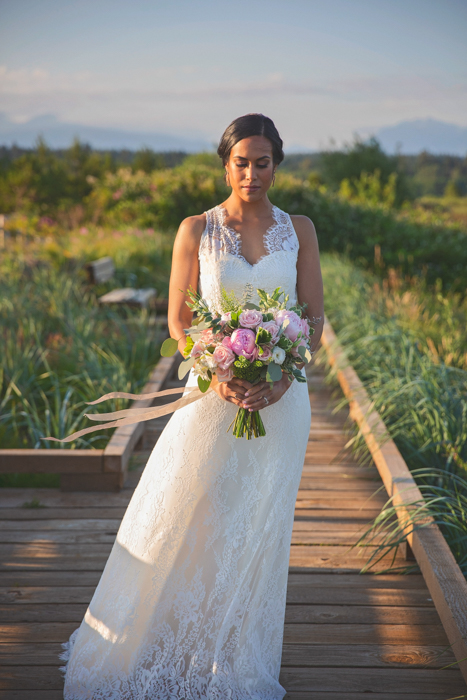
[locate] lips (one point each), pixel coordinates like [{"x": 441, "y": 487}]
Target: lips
[{"x": 251, "y": 189}]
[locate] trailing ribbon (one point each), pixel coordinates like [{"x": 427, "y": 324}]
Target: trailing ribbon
[{"x": 130, "y": 416}]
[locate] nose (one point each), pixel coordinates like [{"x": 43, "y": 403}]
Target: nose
[{"x": 251, "y": 172}]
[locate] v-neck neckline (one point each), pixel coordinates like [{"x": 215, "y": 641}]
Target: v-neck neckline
[{"x": 238, "y": 236}]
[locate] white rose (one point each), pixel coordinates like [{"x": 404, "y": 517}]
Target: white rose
[{"x": 278, "y": 355}]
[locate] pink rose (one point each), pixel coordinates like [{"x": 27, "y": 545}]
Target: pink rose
[
  {"x": 250, "y": 318},
  {"x": 197, "y": 349},
  {"x": 223, "y": 357},
  {"x": 243, "y": 343},
  {"x": 271, "y": 328},
  {"x": 225, "y": 318},
  {"x": 227, "y": 342},
  {"x": 224, "y": 375},
  {"x": 292, "y": 322},
  {"x": 209, "y": 338},
  {"x": 267, "y": 353}
]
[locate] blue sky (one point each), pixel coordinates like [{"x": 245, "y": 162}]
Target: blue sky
[{"x": 320, "y": 69}]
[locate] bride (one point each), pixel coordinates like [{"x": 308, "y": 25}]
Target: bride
[{"x": 191, "y": 602}]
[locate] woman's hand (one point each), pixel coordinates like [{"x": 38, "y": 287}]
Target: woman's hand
[
  {"x": 256, "y": 395},
  {"x": 233, "y": 391},
  {"x": 250, "y": 396}
]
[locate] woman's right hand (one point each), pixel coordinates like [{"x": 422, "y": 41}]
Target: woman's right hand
[{"x": 233, "y": 391}]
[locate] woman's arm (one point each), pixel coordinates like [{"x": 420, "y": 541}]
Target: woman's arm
[
  {"x": 309, "y": 279},
  {"x": 184, "y": 274}
]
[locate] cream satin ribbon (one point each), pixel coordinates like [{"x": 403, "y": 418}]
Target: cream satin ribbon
[{"x": 130, "y": 416}]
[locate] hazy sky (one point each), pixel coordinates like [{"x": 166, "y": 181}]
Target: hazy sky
[{"x": 320, "y": 69}]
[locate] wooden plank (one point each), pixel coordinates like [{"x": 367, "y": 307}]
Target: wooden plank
[
  {"x": 366, "y": 655},
  {"x": 411, "y": 597},
  {"x": 352, "y": 680},
  {"x": 359, "y": 614},
  {"x": 30, "y": 654},
  {"x": 305, "y": 695},
  {"x": 36, "y": 632},
  {"x": 364, "y": 634},
  {"x": 15, "y": 497},
  {"x": 27, "y": 514},
  {"x": 44, "y": 461},
  {"x": 14, "y": 694},
  {"x": 62, "y": 577},
  {"x": 128, "y": 296},
  {"x": 31, "y": 678},
  {"x": 332, "y": 558},
  {"x": 443, "y": 576},
  {"x": 54, "y": 612},
  {"x": 76, "y": 563},
  {"x": 27, "y": 526},
  {"x": 40, "y": 595}
]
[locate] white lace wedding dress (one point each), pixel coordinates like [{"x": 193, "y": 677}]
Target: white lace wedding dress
[{"x": 191, "y": 602}]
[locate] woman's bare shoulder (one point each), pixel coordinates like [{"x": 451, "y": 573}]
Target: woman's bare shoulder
[
  {"x": 304, "y": 228},
  {"x": 191, "y": 229}
]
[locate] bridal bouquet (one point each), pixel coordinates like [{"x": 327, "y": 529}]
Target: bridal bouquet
[{"x": 245, "y": 340}]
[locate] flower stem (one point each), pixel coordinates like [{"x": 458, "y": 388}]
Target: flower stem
[{"x": 247, "y": 424}]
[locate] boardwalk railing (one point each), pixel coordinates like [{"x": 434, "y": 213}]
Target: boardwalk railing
[{"x": 443, "y": 576}]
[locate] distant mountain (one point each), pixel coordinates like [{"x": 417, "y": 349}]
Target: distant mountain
[
  {"x": 60, "y": 135},
  {"x": 424, "y": 134}
]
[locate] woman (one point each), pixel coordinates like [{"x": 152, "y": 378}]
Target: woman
[{"x": 192, "y": 599}]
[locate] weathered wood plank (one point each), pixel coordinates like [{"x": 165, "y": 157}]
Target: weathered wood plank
[
  {"x": 28, "y": 514},
  {"x": 55, "y": 461},
  {"x": 364, "y": 634},
  {"x": 36, "y": 632},
  {"x": 358, "y": 614},
  {"x": 351, "y": 680},
  {"x": 336, "y": 558},
  {"x": 367, "y": 655},
  {"x": 54, "y": 612}
]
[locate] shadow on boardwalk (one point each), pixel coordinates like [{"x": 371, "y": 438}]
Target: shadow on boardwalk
[{"x": 347, "y": 636}]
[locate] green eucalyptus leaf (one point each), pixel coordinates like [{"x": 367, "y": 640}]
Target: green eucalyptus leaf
[
  {"x": 274, "y": 373},
  {"x": 169, "y": 347},
  {"x": 185, "y": 367},
  {"x": 304, "y": 353},
  {"x": 251, "y": 306},
  {"x": 203, "y": 384}
]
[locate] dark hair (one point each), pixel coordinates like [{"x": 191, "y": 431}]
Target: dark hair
[{"x": 250, "y": 125}]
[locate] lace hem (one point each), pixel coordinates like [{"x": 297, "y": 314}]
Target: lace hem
[{"x": 67, "y": 651}]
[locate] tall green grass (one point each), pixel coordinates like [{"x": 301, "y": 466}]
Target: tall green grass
[
  {"x": 60, "y": 349},
  {"x": 420, "y": 394}
]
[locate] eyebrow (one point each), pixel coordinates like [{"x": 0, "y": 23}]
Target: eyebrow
[{"x": 260, "y": 158}]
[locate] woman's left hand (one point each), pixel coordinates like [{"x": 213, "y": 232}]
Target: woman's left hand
[{"x": 256, "y": 395}]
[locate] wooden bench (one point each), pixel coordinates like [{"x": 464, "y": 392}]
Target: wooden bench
[{"x": 103, "y": 270}]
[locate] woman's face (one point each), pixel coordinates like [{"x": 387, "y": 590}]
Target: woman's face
[{"x": 250, "y": 168}]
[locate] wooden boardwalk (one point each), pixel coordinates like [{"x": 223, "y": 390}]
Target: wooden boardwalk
[{"x": 347, "y": 636}]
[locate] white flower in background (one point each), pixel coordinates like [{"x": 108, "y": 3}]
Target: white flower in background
[{"x": 278, "y": 355}]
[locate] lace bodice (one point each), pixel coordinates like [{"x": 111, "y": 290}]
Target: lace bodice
[{"x": 222, "y": 262}]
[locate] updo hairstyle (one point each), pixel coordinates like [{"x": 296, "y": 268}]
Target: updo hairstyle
[{"x": 251, "y": 125}]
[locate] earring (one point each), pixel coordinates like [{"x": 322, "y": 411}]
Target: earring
[
  {"x": 273, "y": 178},
  {"x": 227, "y": 179}
]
